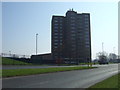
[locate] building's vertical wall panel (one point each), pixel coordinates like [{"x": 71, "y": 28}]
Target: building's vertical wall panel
[{"x": 57, "y": 36}]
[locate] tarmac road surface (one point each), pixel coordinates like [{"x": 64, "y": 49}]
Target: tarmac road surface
[{"x": 67, "y": 79}]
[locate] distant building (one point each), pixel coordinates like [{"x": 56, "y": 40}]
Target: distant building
[
  {"x": 112, "y": 56},
  {"x": 71, "y": 37}
]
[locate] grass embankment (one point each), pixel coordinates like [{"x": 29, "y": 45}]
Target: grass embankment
[
  {"x": 112, "y": 82},
  {"x": 22, "y": 72},
  {"x": 7, "y": 61}
]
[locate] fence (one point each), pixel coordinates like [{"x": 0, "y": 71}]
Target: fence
[{"x": 14, "y": 55}]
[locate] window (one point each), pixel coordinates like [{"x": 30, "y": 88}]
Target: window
[
  {"x": 73, "y": 45},
  {"x": 72, "y": 27},
  {"x": 73, "y": 42},
  {"x": 73, "y": 38},
  {"x": 55, "y": 40},
  {"x": 86, "y": 15},
  {"x": 73, "y": 49},
  {"x": 87, "y": 45},
  {"x": 61, "y": 34},
  {"x": 72, "y": 31},
  {"x": 72, "y": 17},
  {"x": 86, "y": 32},
  {"x": 55, "y": 27},
  {"x": 86, "y": 22},
  {"x": 81, "y": 34},
  {"x": 61, "y": 21},
  {"x": 55, "y": 20},
  {"x": 60, "y": 40},
  {"x": 87, "y": 29},
  {"x": 56, "y": 24},
  {"x": 87, "y": 36},
  {"x": 60, "y": 24},
  {"x": 86, "y": 25},
  {"x": 72, "y": 24},
  {"x": 61, "y": 18},
  {"x": 55, "y": 54},
  {"x": 72, "y": 20},
  {"x": 73, "y": 34},
  {"x": 80, "y": 28},
  {"x": 55, "y": 46},
  {"x": 55, "y": 36},
  {"x": 55, "y": 43},
  {"x": 61, "y": 37},
  {"x": 61, "y": 31},
  {"x": 87, "y": 42},
  {"x": 55, "y": 17},
  {"x": 86, "y": 19},
  {"x": 86, "y": 39},
  {"x": 60, "y": 27},
  {"x": 55, "y": 33},
  {"x": 60, "y": 43}
]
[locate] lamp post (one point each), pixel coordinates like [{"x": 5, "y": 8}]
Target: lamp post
[
  {"x": 103, "y": 48},
  {"x": 36, "y": 42},
  {"x": 114, "y": 50},
  {"x": 9, "y": 53}
]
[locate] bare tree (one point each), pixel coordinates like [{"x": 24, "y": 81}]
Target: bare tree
[{"x": 102, "y": 56}]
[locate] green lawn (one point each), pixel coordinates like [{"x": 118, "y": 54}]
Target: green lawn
[
  {"x": 7, "y": 61},
  {"x": 112, "y": 82},
  {"x": 22, "y": 72}
]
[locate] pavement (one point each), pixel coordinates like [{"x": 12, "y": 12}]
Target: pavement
[
  {"x": 34, "y": 66},
  {"x": 67, "y": 79}
]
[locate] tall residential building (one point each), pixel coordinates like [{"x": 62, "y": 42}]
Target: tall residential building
[{"x": 71, "y": 38}]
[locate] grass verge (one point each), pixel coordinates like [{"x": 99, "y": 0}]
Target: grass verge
[
  {"x": 22, "y": 72},
  {"x": 112, "y": 82},
  {"x": 8, "y": 61}
]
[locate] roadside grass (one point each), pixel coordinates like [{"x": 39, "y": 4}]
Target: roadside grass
[
  {"x": 0, "y": 73},
  {"x": 112, "y": 82},
  {"x": 23, "y": 72},
  {"x": 7, "y": 61},
  {"x": 85, "y": 63},
  {"x": 88, "y": 63}
]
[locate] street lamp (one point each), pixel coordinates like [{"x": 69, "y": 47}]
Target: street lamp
[
  {"x": 114, "y": 50},
  {"x": 10, "y": 53},
  {"x": 102, "y": 47},
  {"x": 36, "y": 42}
]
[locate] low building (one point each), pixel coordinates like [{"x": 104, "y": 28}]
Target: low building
[{"x": 42, "y": 58}]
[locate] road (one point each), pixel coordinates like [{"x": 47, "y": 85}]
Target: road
[{"x": 68, "y": 79}]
